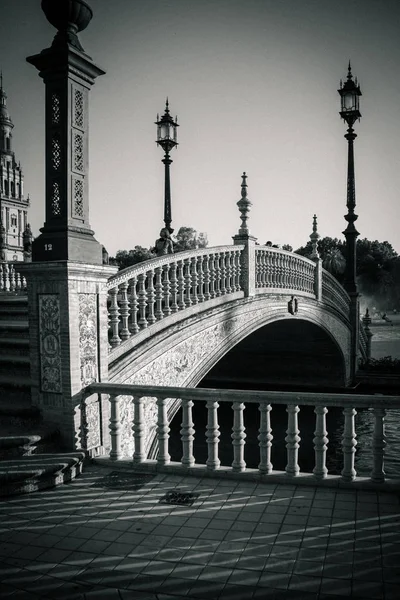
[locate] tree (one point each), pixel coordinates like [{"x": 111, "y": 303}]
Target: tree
[
  {"x": 127, "y": 258},
  {"x": 287, "y": 247},
  {"x": 188, "y": 238},
  {"x": 334, "y": 262}
]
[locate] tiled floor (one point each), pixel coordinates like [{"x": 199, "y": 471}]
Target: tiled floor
[{"x": 110, "y": 537}]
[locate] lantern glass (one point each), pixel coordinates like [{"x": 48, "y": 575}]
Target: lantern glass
[
  {"x": 164, "y": 130},
  {"x": 349, "y": 101}
]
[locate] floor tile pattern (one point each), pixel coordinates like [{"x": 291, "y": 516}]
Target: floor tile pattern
[{"x": 108, "y": 536}]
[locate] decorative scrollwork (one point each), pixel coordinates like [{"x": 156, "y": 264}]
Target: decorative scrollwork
[
  {"x": 78, "y": 198},
  {"x": 78, "y": 152},
  {"x": 55, "y": 109},
  {"x": 78, "y": 108},
  {"x": 56, "y": 199},
  {"x": 56, "y": 151}
]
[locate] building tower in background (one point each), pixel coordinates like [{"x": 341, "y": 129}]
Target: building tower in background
[{"x": 13, "y": 205}]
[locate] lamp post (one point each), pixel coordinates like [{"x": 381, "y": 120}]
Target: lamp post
[
  {"x": 167, "y": 139},
  {"x": 349, "y": 98}
]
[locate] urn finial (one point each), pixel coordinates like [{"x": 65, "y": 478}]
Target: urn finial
[
  {"x": 68, "y": 17},
  {"x": 244, "y": 207},
  {"x": 314, "y": 237}
]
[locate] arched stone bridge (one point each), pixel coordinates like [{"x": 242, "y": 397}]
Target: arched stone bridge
[{"x": 173, "y": 318}]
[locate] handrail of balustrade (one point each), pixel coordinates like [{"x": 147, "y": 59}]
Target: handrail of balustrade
[
  {"x": 253, "y": 396},
  {"x": 333, "y": 293}
]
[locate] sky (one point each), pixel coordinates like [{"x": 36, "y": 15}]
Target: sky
[{"x": 254, "y": 84}]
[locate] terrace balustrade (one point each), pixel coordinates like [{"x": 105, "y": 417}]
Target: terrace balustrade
[
  {"x": 10, "y": 280},
  {"x": 166, "y": 402}
]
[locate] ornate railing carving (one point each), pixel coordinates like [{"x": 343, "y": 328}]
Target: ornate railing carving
[
  {"x": 164, "y": 398},
  {"x": 281, "y": 269}
]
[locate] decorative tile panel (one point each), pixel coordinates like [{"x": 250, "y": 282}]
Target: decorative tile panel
[
  {"x": 77, "y": 152},
  {"x": 55, "y": 109},
  {"x": 78, "y": 108},
  {"x": 50, "y": 343},
  {"x": 88, "y": 338},
  {"x": 55, "y": 199},
  {"x": 91, "y": 424},
  {"x": 55, "y": 151},
  {"x": 78, "y": 198}
]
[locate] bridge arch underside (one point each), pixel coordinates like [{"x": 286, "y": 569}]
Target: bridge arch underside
[{"x": 184, "y": 353}]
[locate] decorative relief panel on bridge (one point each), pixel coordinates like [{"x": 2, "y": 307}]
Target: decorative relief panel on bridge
[
  {"x": 50, "y": 347},
  {"x": 88, "y": 338}
]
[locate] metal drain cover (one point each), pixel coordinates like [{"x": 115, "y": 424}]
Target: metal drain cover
[
  {"x": 179, "y": 498},
  {"x": 118, "y": 480}
]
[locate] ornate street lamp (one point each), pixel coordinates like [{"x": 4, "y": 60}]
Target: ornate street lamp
[
  {"x": 349, "y": 96},
  {"x": 167, "y": 139}
]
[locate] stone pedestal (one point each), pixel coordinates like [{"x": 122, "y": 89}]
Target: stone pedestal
[
  {"x": 68, "y": 341},
  {"x": 248, "y": 262}
]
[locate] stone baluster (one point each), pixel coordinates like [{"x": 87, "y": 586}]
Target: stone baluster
[
  {"x": 134, "y": 327},
  {"x": 222, "y": 268},
  {"x": 378, "y": 446},
  {"x": 257, "y": 267},
  {"x": 6, "y": 278},
  {"x": 12, "y": 278},
  {"x": 267, "y": 269},
  {"x": 212, "y": 276},
  {"x": 200, "y": 278},
  {"x": 158, "y": 294},
  {"x": 174, "y": 288},
  {"x": 320, "y": 442},
  {"x": 115, "y": 428},
  {"x": 124, "y": 310},
  {"x": 264, "y": 256},
  {"x": 187, "y": 433},
  {"x": 139, "y": 428},
  {"x": 349, "y": 444},
  {"x": 265, "y": 438},
  {"x": 292, "y": 440},
  {"x": 151, "y": 318},
  {"x": 163, "y": 457},
  {"x": 217, "y": 271},
  {"x": 238, "y": 270},
  {"x": 167, "y": 296},
  {"x": 2, "y": 274},
  {"x": 206, "y": 275},
  {"x": 114, "y": 318},
  {"x": 194, "y": 279},
  {"x": 188, "y": 280},
  {"x": 281, "y": 277},
  {"x": 212, "y": 435},
  {"x": 229, "y": 272},
  {"x": 181, "y": 285},
  {"x": 142, "y": 296},
  {"x": 238, "y": 437},
  {"x": 286, "y": 270}
]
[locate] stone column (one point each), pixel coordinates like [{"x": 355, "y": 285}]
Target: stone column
[{"x": 66, "y": 279}]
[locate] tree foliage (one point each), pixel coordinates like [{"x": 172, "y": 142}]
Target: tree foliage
[
  {"x": 188, "y": 238},
  {"x": 127, "y": 258}
]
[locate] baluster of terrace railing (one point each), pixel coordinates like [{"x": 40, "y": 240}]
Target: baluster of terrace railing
[
  {"x": 174, "y": 288},
  {"x": 258, "y": 269},
  {"x": 349, "y": 444},
  {"x": 194, "y": 279},
  {"x": 115, "y": 428},
  {"x": 159, "y": 294},
  {"x": 217, "y": 276},
  {"x": 286, "y": 270},
  {"x": 320, "y": 442},
  {"x": 292, "y": 440},
  {"x": 212, "y": 275},
  {"x": 378, "y": 446},
  {"x": 167, "y": 287},
  {"x": 163, "y": 457},
  {"x": 124, "y": 311},
  {"x": 206, "y": 275},
  {"x": 238, "y": 437},
  {"x": 188, "y": 280},
  {"x": 212, "y": 435},
  {"x": 114, "y": 318},
  {"x": 200, "y": 278},
  {"x": 181, "y": 286},
  {"x": 238, "y": 270},
  {"x": 138, "y": 428},
  {"x": 265, "y": 269},
  {"x": 6, "y": 275},
  {"x": 230, "y": 286},
  {"x": 2, "y": 287},
  {"x": 187, "y": 433},
  {"x": 134, "y": 306},
  {"x": 142, "y": 296},
  {"x": 151, "y": 318},
  {"x": 222, "y": 268},
  {"x": 265, "y": 438},
  {"x": 12, "y": 278}
]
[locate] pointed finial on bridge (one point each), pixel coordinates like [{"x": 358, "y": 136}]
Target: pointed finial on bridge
[
  {"x": 314, "y": 237},
  {"x": 244, "y": 207}
]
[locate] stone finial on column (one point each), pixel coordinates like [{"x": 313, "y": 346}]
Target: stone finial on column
[
  {"x": 314, "y": 237},
  {"x": 244, "y": 207}
]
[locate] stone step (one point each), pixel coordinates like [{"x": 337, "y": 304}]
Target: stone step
[
  {"x": 14, "y": 369},
  {"x": 9, "y": 328},
  {"x": 38, "y": 472},
  {"x": 14, "y": 359},
  {"x": 14, "y": 346},
  {"x": 13, "y": 307}
]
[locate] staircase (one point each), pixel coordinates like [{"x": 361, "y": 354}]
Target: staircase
[{"x": 31, "y": 454}]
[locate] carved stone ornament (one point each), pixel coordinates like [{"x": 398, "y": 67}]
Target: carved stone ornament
[
  {"x": 88, "y": 338},
  {"x": 293, "y": 305},
  {"x": 50, "y": 346}
]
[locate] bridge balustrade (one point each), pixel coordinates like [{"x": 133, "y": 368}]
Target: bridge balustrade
[
  {"x": 149, "y": 291},
  {"x": 276, "y": 268},
  {"x": 166, "y": 398},
  {"x": 10, "y": 280},
  {"x": 334, "y": 294}
]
